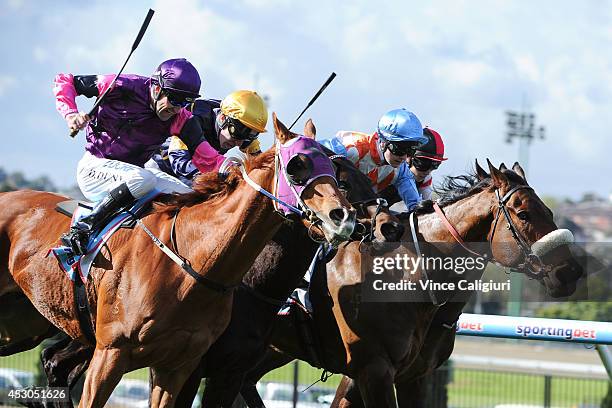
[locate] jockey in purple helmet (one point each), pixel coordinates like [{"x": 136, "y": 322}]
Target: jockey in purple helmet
[{"x": 135, "y": 118}]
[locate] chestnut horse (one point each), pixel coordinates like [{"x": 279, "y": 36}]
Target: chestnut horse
[
  {"x": 276, "y": 272},
  {"x": 385, "y": 344},
  {"x": 149, "y": 312}
]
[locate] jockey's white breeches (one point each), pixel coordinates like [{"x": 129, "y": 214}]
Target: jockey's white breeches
[{"x": 96, "y": 177}]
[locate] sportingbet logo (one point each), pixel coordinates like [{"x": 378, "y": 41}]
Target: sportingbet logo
[
  {"x": 566, "y": 333},
  {"x": 471, "y": 326}
]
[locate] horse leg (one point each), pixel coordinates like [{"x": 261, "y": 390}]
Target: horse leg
[
  {"x": 347, "y": 395},
  {"x": 221, "y": 391},
  {"x": 375, "y": 381},
  {"x": 166, "y": 384},
  {"x": 190, "y": 389},
  {"x": 105, "y": 371},
  {"x": 251, "y": 396},
  {"x": 66, "y": 366},
  {"x": 410, "y": 394},
  {"x": 271, "y": 360},
  {"x": 27, "y": 344}
]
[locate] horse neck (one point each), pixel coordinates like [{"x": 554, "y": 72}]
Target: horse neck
[
  {"x": 226, "y": 239},
  {"x": 471, "y": 217},
  {"x": 282, "y": 263}
]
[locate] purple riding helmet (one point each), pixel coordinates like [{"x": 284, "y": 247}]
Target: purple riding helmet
[{"x": 178, "y": 77}]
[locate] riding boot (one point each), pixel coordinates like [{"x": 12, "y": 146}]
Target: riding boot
[{"x": 78, "y": 238}]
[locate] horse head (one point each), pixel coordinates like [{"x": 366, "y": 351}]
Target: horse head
[
  {"x": 308, "y": 181},
  {"x": 523, "y": 234},
  {"x": 375, "y": 220}
]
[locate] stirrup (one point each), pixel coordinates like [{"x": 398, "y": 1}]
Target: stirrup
[{"x": 75, "y": 241}]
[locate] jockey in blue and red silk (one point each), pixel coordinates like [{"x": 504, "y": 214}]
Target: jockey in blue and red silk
[
  {"x": 215, "y": 127},
  {"x": 137, "y": 115},
  {"x": 382, "y": 155}
]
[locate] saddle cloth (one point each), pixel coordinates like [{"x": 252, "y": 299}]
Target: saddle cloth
[{"x": 79, "y": 265}]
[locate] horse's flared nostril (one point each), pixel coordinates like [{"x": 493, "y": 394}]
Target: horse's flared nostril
[
  {"x": 392, "y": 231},
  {"x": 338, "y": 215}
]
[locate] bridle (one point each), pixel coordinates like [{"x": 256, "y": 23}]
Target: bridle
[
  {"x": 532, "y": 264},
  {"x": 380, "y": 204}
]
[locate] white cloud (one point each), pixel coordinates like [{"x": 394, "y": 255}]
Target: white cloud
[{"x": 457, "y": 64}]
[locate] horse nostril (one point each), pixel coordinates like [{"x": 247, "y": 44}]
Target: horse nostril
[
  {"x": 338, "y": 215},
  {"x": 392, "y": 231}
]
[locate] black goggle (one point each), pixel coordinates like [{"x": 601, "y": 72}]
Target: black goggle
[
  {"x": 180, "y": 101},
  {"x": 239, "y": 131},
  {"x": 401, "y": 149},
  {"x": 423, "y": 164}
]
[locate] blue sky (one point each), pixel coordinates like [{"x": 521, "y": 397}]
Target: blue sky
[{"x": 457, "y": 64}]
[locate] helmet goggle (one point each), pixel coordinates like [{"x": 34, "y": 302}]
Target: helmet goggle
[
  {"x": 176, "y": 97},
  {"x": 401, "y": 148},
  {"x": 423, "y": 164},
  {"x": 178, "y": 100},
  {"x": 239, "y": 130}
]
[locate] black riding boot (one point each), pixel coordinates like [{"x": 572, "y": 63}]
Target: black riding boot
[{"x": 116, "y": 200}]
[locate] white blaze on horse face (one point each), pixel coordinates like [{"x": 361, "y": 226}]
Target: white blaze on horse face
[{"x": 551, "y": 241}]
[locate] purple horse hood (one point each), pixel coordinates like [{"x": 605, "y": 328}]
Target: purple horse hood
[{"x": 322, "y": 166}]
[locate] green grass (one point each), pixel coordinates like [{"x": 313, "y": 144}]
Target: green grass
[{"x": 468, "y": 388}]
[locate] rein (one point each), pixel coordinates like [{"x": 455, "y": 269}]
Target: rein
[
  {"x": 380, "y": 202},
  {"x": 186, "y": 265},
  {"x": 532, "y": 266}
]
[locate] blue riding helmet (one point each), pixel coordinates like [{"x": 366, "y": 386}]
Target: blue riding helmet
[{"x": 401, "y": 125}]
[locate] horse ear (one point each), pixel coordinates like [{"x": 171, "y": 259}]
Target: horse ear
[
  {"x": 282, "y": 133},
  {"x": 499, "y": 178},
  {"x": 481, "y": 174},
  {"x": 519, "y": 170},
  {"x": 502, "y": 167},
  {"x": 310, "y": 130}
]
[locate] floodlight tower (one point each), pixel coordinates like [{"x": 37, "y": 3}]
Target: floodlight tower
[{"x": 521, "y": 126}]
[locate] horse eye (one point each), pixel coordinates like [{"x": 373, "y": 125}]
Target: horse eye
[{"x": 523, "y": 216}]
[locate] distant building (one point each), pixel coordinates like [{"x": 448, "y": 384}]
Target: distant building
[{"x": 590, "y": 219}]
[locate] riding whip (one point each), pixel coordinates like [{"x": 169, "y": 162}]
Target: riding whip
[
  {"x": 314, "y": 98},
  {"x": 145, "y": 24}
]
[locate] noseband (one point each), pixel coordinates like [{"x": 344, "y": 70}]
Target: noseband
[
  {"x": 532, "y": 265},
  {"x": 380, "y": 204}
]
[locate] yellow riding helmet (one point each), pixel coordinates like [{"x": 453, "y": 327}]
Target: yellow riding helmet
[{"x": 248, "y": 108}]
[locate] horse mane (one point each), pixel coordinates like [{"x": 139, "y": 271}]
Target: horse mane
[
  {"x": 455, "y": 188},
  {"x": 210, "y": 187}
]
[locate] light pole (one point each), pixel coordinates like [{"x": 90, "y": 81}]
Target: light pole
[{"x": 520, "y": 125}]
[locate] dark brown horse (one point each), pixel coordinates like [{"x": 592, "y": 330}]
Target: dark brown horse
[
  {"x": 382, "y": 345},
  {"x": 149, "y": 312},
  {"x": 275, "y": 273}
]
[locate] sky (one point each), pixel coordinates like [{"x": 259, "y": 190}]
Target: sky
[{"x": 458, "y": 65}]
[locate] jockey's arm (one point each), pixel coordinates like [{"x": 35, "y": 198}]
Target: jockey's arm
[
  {"x": 67, "y": 87},
  {"x": 426, "y": 189},
  {"x": 180, "y": 159},
  {"x": 406, "y": 187}
]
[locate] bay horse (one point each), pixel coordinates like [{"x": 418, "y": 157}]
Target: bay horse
[
  {"x": 148, "y": 311},
  {"x": 380, "y": 346},
  {"x": 276, "y": 272}
]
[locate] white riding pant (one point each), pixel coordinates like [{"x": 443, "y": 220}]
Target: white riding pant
[{"x": 96, "y": 177}]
